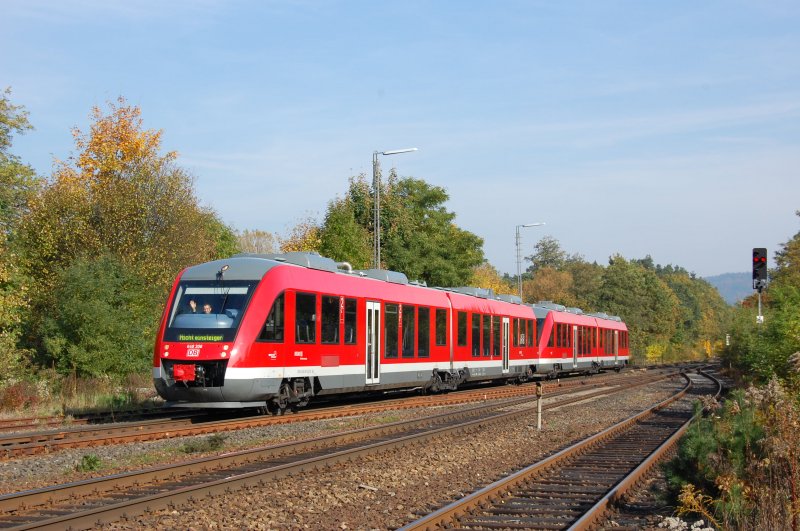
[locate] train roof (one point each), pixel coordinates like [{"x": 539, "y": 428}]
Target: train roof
[{"x": 251, "y": 266}]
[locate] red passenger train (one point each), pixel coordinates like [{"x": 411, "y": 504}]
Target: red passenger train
[{"x": 273, "y": 331}]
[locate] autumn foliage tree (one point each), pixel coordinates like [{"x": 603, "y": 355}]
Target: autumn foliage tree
[
  {"x": 121, "y": 198},
  {"x": 487, "y": 277}
]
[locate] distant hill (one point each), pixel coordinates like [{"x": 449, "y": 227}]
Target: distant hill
[{"x": 732, "y": 286}]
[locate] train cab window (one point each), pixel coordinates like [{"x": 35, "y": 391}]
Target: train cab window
[
  {"x": 424, "y": 333},
  {"x": 409, "y": 318},
  {"x": 273, "y": 328},
  {"x": 189, "y": 320},
  {"x": 539, "y": 330},
  {"x": 441, "y": 327},
  {"x": 462, "y": 329},
  {"x": 531, "y": 335},
  {"x": 330, "y": 320},
  {"x": 350, "y": 323},
  {"x": 305, "y": 318},
  {"x": 495, "y": 336},
  {"x": 476, "y": 335},
  {"x": 487, "y": 335},
  {"x": 391, "y": 330},
  {"x": 551, "y": 339}
]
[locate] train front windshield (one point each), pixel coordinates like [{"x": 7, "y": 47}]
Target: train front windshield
[{"x": 207, "y": 310}]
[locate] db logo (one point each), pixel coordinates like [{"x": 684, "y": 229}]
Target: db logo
[{"x": 193, "y": 352}]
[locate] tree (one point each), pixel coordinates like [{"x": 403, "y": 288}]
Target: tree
[
  {"x": 119, "y": 195},
  {"x": 419, "y": 236},
  {"x": 257, "y": 241},
  {"x": 646, "y": 304},
  {"x": 343, "y": 238},
  {"x": 787, "y": 259},
  {"x": 487, "y": 277},
  {"x": 548, "y": 254},
  {"x": 549, "y": 284},
  {"x": 103, "y": 319},
  {"x": 18, "y": 181},
  {"x": 303, "y": 237}
]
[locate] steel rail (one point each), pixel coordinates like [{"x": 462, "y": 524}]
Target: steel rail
[
  {"x": 599, "y": 511},
  {"x": 10, "y": 504},
  {"x": 450, "y": 514},
  {"x": 32, "y": 443}
]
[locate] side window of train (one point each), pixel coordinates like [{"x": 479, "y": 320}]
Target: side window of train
[
  {"x": 487, "y": 335},
  {"x": 330, "y": 320},
  {"x": 391, "y": 330},
  {"x": 441, "y": 327},
  {"x": 273, "y": 327},
  {"x": 305, "y": 318},
  {"x": 424, "y": 333},
  {"x": 496, "y": 335},
  {"x": 462, "y": 329},
  {"x": 551, "y": 340},
  {"x": 476, "y": 335},
  {"x": 531, "y": 335},
  {"x": 516, "y": 339},
  {"x": 350, "y": 323},
  {"x": 539, "y": 330},
  {"x": 409, "y": 317}
]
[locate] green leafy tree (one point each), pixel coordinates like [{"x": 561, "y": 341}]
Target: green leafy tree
[
  {"x": 548, "y": 254},
  {"x": 419, "y": 236},
  {"x": 103, "y": 319},
  {"x": 18, "y": 183},
  {"x": 343, "y": 238},
  {"x": 645, "y": 303}
]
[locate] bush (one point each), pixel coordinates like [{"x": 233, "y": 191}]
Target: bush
[
  {"x": 741, "y": 465},
  {"x": 20, "y": 395}
]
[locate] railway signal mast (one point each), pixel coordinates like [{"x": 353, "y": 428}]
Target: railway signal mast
[{"x": 759, "y": 276}]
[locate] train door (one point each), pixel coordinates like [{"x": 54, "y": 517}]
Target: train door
[
  {"x": 574, "y": 347},
  {"x": 505, "y": 345},
  {"x": 616, "y": 346},
  {"x": 373, "y": 354}
]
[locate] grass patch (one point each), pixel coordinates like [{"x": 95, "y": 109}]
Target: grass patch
[
  {"x": 209, "y": 444},
  {"x": 89, "y": 463}
]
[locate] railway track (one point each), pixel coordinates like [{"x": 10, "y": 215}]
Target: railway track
[
  {"x": 89, "y": 503},
  {"x": 574, "y": 488},
  {"x": 186, "y": 423}
]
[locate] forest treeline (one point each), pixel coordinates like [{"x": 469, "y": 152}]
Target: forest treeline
[{"x": 89, "y": 253}]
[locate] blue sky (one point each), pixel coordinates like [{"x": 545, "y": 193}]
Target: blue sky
[{"x": 632, "y": 127}]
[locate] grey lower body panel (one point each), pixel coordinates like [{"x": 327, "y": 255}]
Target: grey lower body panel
[{"x": 234, "y": 391}]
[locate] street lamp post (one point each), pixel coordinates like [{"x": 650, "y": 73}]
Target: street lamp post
[
  {"x": 376, "y": 224},
  {"x": 519, "y": 256}
]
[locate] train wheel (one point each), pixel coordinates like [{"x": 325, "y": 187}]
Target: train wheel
[{"x": 282, "y": 401}]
